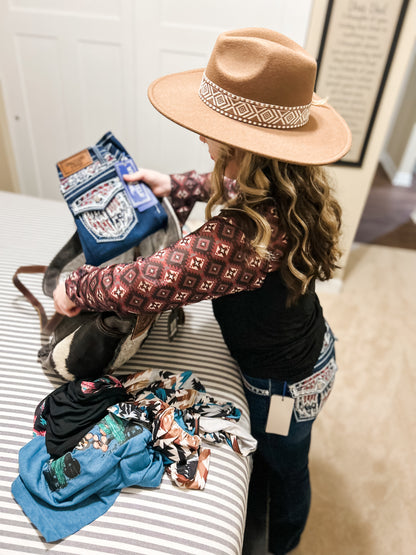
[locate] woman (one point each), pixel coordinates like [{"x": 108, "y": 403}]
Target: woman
[{"x": 259, "y": 258}]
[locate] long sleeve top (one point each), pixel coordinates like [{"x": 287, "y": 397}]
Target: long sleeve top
[
  {"x": 215, "y": 260},
  {"x": 267, "y": 338}
]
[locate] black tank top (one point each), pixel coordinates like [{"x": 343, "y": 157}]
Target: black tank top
[{"x": 267, "y": 339}]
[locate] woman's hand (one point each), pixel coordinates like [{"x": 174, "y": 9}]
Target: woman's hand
[
  {"x": 63, "y": 303},
  {"x": 157, "y": 181}
]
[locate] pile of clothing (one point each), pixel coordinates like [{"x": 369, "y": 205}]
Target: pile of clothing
[{"x": 93, "y": 438}]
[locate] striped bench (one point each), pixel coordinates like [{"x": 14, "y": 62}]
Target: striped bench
[{"x": 166, "y": 520}]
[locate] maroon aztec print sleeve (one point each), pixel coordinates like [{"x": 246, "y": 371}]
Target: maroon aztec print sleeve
[
  {"x": 213, "y": 261},
  {"x": 190, "y": 187},
  {"x": 187, "y": 189}
]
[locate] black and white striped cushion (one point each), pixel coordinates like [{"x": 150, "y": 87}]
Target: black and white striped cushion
[{"x": 167, "y": 520}]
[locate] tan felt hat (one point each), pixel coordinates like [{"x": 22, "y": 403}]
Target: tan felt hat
[{"x": 256, "y": 93}]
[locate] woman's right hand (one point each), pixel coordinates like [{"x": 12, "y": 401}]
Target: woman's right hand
[{"x": 157, "y": 181}]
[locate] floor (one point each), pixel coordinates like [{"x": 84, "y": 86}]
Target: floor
[
  {"x": 387, "y": 216},
  {"x": 361, "y": 455}
]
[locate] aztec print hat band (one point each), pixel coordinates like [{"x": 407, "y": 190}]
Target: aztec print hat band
[{"x": 256, "y": 93}]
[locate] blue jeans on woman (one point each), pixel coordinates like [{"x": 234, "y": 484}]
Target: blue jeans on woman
[{"x": 283, "y": 460}]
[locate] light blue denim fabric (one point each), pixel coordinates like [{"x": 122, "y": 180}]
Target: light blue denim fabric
[{"x": 60, "y": 496}]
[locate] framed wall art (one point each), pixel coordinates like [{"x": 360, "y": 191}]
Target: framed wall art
[{"x": 357, "y": 47}]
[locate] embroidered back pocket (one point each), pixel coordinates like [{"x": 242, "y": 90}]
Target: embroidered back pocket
[
  {"x": 108, "y": 221},
  {"x": 311, "y": 393}
]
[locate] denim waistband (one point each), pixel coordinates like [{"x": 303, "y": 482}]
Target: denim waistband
[{"x": 262, "y": 386}]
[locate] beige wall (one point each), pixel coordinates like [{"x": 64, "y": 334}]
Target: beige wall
[
  {"x": 353, "y": 184},
  {"x": 404, "y": 121},
  {"x": 8, "y": 177}
]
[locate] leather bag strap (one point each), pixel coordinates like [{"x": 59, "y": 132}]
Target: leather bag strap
[
  {"x": 67, "y": 254},
  {"x": 47, "y": 325}
]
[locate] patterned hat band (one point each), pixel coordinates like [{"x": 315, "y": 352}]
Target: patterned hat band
[{"x": 251, "y": 111}]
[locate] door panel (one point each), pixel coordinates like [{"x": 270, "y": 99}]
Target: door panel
[
  {"x": 73, "y": 69},
  {"x": 68, "y": 75}
]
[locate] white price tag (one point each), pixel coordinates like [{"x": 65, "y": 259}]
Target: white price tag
[{"x": 280, "y": 414}]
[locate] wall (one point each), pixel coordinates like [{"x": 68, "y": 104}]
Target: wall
[
  {"x": 399, "y": 156},
  {"x": 404, "y": 122},
  {"x": 352, "y": 183},
  {"x": 8, "y": 176}
]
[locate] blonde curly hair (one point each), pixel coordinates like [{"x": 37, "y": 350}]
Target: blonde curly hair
[{"x": 307, "y": 210}]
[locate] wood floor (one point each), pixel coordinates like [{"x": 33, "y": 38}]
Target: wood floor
[{"x": 387, "y": 216}]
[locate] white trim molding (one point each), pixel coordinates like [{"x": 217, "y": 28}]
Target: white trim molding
[
  {"x": 388, "y": 165},
  {"x": 403, "y": 175}
]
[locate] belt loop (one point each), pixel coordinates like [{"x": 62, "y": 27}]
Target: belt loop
[{"x": 98, "y": 154}]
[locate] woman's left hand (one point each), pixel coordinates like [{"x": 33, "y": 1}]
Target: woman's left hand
[{"x": 63, "y": 303}]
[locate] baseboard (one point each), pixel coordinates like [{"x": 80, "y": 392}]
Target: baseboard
[
  {"x": 388, "y": 165},
  {"x": 331, "y": 286},
  {"x": 398, "y": 178},
  {"x": 403, "y": 179}
]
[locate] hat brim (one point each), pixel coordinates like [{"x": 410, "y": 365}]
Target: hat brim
[{"x": 324, "y": 139}]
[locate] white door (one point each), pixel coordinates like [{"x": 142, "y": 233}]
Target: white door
[{"x": 73, "y": 69}]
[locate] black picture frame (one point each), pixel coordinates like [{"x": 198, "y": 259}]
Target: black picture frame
[{"x": 383, "y": 75}]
